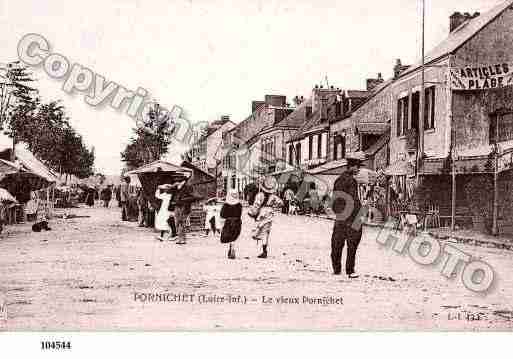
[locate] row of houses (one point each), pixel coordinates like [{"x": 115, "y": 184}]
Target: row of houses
[{"x": 466, "y": 132}]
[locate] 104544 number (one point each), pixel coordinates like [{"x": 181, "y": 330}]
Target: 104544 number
[{"x": 45, "y": 345}]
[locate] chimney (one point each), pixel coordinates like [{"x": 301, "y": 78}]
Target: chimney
[
  {"x": 276, "y": 100},
  {"x": 255, "y": 105},
  {"x": 457, "y": 18},
  {"x": 298, "y": 100},
  {"x": 372, "y": 83},
  {"x": 397, "y": 68}
]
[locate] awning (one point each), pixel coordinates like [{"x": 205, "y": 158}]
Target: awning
[
  {"x": 376, "y": 128},
  {"x": 161, "y": 166},
  {"x": 329, "y": 166},
  {"x": 5, "y": 196},
  {"x": 32, "y": 164},
  {"x": 7, "y": 168}
]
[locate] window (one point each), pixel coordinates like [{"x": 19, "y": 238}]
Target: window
[
  {"x": 308, "y": 112},
  {"x": 415, "y": 108},
  {"x": 402, "y": 116},
  {"x": 291, "y": 154},
  {"x": 319, "y": 145},
  {"x": 310, "y": 147},
  {"x": 233, "y": 182},
  {"x": 429, "y": 108},
  {"x": 339, "y": 147},
  {"x": 298, "y": 154},
  {"x": 504, "y": 132},
  {"x": 338, "y": 108},
  {"x": 324, "y": 109}
]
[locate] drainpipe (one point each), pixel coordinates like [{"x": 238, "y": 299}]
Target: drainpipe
[
  {"x": 495, "y": 229},
  {"x": 451, "y": 145}
]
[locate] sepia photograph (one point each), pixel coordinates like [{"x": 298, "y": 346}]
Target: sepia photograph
[{"x": 219, "y": 165}]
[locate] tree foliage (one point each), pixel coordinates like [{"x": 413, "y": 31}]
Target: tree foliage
[
  {"x": 150, "y": 142},
  {"x": 43, "y": 126}
]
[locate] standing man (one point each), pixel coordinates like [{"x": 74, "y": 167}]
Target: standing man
[
  {"x": 288, "y": 197},
  {"x": 124, "y": 197},
  {"x": 347, "y": 227},
  {"x": 106, "y": 195},
  {"x": 184, "y": 200}
]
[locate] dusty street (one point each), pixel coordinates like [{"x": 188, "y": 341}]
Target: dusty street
[{"x": 86, "y": 272}]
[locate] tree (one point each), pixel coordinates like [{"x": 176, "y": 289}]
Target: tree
[
  {"x": 14, "y": 89},
  {"x": 151, "y": 141},
  {"x": 43, "y": 126}
]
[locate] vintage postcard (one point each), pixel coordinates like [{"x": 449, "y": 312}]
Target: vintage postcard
[{"x": 256, "y": 165}]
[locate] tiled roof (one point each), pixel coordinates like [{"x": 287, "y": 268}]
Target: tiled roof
[
  {"x": 297, "y": 117},
  {"x": 357, "y": 93},
  {"x": 455, "y": 40},
  {"x": 189, "y": 165},
  {"x": 461, "y": 35},
  {"x": 311, "y": 124}
]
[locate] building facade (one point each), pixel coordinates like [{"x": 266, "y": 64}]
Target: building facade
[
  {"x": 204, "y": 153},
  {"x": 249, "y": 147},
  {"x": 467, "y": 117}
]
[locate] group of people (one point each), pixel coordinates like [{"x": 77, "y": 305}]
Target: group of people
[
  {"x": 91, "y": 194},
  {"x": 172, "y": 215},
  {"x": 308, "y": 202},
  {"x": 262, "y": 209}
]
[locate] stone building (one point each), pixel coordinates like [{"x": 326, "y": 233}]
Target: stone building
[
  {"x": 249, "y": 148},
  {"x": 309, "y": 146},
  {"x": 468, "y": 110},
  {"x": 204, "y": 151}
]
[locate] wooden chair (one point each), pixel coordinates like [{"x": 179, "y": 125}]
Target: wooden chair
[{"x": 432, "y": 218}]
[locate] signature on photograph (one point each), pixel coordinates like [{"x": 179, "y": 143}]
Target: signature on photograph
[{"x": 3, "y": 310}]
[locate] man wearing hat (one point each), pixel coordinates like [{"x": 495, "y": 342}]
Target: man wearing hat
[
  {"x": 124, "y": 195},
  {"x": 346, "y": 206},
  {"x": 262, "y": 211}
]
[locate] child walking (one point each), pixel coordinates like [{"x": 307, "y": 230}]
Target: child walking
[
  {"x": 211, "y": 219},
  {"x": 162, "y": 219},
  {"x": 262, "y": 211},
  {"x": 231, "y": 213}
]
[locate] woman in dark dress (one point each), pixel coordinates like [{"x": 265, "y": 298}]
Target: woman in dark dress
[
  {"x": 91, "y": 192},
  {"x": 231, "y": 213}
]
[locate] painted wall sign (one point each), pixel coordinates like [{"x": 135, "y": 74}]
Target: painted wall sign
[{"x": 482, "y": 77}]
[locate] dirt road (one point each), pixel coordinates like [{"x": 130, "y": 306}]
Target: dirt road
[{"x": 98, "y": 273}]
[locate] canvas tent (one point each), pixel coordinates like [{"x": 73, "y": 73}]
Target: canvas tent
[
  {"x": 31, "y": 174},
  {"x": 156, "y": 173}
]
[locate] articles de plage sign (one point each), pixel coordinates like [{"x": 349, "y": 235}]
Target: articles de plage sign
[{"x": 482, "y": 77}]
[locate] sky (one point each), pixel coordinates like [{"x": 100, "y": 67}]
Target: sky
[{"x": 214, "y": 57}]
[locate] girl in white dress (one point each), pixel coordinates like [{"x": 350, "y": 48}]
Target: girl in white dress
[{"x": 161, "y": 220}]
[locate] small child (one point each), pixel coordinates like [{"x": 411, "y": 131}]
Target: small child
[
  {"x": 293, "y": 208},
  {"x": 231, "y": 214},
  {"x": 41, "y": 217},
  {"x": 211, "y": 219}
]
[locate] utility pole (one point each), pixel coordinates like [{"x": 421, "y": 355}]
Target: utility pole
[
  {"x": 453, "y": 175},
  {"x": 420, "y": 149}
]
